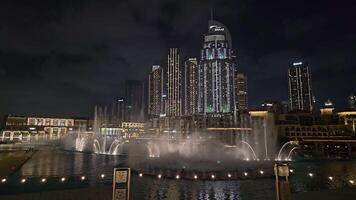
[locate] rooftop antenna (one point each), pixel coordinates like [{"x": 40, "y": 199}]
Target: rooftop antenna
[{"x": 211, "y": 14}]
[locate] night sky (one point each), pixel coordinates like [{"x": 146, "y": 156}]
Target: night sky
[{"x": 60, "y": 58}]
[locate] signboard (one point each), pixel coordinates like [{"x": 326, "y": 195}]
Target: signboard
[{"x": 121, "y": 184}]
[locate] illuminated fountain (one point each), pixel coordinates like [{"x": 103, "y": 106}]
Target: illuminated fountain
[
  {"x": 197, "y": 156},
  {"x": 279, "y": 158},
  {"x": 102, "y": 140}
]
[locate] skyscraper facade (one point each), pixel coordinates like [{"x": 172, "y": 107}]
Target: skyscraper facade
[
  {"x": 300, "y": 87},
  {"x": 120, "y": 109},
  {"x": 216, "y": 71},
  {"x": 241, "y": 97},
  {"x": 155, "y": 91},
  {"x": 174, "y": 84},
  {"x": 134, "y": 105},
  {"x": 191, "y": 86}
]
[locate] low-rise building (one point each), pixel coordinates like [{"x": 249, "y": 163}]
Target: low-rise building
[{"x": 23, "y": 128}]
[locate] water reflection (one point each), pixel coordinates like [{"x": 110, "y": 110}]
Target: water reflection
[{"x": 53, "y": 164}]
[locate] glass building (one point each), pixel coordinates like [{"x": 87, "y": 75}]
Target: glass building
[
  {"x": 216, "y": 71},
  {"x": 174, "y": 84},
  {"x": 191, "y": 86},
  {"x": 155, "y": 101},
  {"x": 241, "y": 92},
  {"x": 134, "y": 106},
  {"x": 300, "y": 88}
]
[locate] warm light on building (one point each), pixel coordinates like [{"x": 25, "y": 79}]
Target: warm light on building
[{"x": 258, "y": 113}]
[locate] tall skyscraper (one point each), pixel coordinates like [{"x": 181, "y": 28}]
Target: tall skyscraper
[
  {"x": 155, "y": 91},
  {"x": 300, "y": 87},
  {"x": 352, "y": 102},
  {"x": 191, "y": 86},
  {"x": 241, "y": 92},
  {"x": 120, "y": 109},
  {"x": 134, "y": 106},
  {"x": 216, "y": 71},
  {"x": 174, "y": 84}
]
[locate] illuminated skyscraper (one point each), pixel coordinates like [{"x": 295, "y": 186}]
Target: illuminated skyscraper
[
  {"x": 155, "y": 90},
  {"x": 216, "y": 71},
  {"x": 241, "y": 92},
  {"x": 174, "y": 84},
  {"x": 134, "y": 105},
  {"x": 191, "y": 86},
  {"x": 300, "y": 87}
]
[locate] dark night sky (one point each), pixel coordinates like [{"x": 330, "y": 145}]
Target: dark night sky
[{"x": 60, "y": 58}]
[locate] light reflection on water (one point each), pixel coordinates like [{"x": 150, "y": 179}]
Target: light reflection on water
[{"x": 55, "y": 163}]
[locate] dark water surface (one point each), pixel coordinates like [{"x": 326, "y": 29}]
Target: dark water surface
[{"x": 53, "y": 164}]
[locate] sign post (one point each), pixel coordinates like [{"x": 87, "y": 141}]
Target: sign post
[
  {"x": 281, "y": 172},
  {"x": 121, "y": 184}
]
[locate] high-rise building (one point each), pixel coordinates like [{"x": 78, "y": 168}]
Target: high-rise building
[
  {"x": 191, "y": 86},
  {"x": 120, "y": 106},
  {"x": 216, "y": 71},
  {"x": 300, "y": 87},
  {"x": 241, "y": 92},
  {"x": 352, "y": 102},
  {"x": 155, "y": 91},
  {"x": 174, "y": 84},
  {"x": 134, "y": 105}
]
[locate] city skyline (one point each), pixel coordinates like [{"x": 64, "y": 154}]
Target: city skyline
[
  {"x": 71, "y": 77},
  {"x": 170, "y": 99}
]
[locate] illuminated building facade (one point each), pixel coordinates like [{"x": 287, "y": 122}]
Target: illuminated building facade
[
  {"x": 349, "y": 118},
  {"x": 134, "y": 105},
  {"x": 191, "y": 87},
  {"x": 22, "y": 128},
  {"x": 300, "y": 88},
  {"x": 155, "y": 92},
  {"x": 322, "y": 134},
  {"x": 241, "y": 92},
  {"x": 216, "y": 71},
  {"x": 174, "y": 84}
]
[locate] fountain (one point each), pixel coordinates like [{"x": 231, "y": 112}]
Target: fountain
[
  {"x": 170, "y": 154},
  {"x": 103, "y": 139},
  {"x": 290, "y": 152},
  {"x": 284, "y": 145}
]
